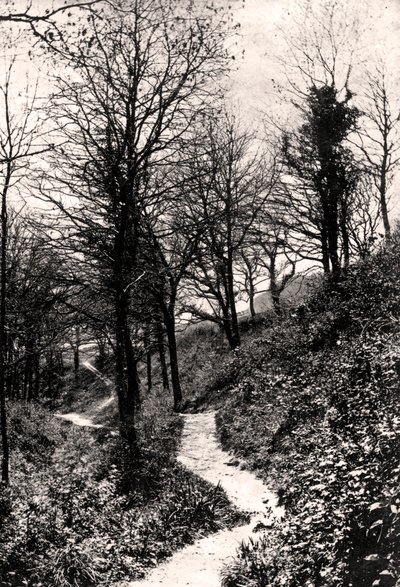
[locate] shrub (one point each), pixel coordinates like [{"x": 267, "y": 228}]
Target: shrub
[{"x": 80, "y": 512}]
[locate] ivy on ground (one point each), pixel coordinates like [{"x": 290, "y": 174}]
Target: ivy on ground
[
  {"x": 314, "y": 406},
  {"x": 79, "y": 512}
]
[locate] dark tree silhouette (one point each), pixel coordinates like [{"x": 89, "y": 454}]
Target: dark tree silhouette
[{"x": 324, "y": 166}]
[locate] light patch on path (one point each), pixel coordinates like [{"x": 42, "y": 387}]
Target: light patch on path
[
  {"x": 99, "y": 375},
  {"x": 200, "y": 564},
  {"x": 78, "y": 420},
  {"x": 105, "y": 403},
  {"x": 81, "y": 419}
]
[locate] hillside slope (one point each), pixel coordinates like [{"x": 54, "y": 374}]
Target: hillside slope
[
  {"x": 80, "y": 511},
  {"x": 312, "y": 403}
]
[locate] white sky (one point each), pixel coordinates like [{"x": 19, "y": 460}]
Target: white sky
[
  {"x": 263, "y": 43},
  {"x": 261, "y": 39}
]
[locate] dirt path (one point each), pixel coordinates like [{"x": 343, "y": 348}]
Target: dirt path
[
  {"x": 200, "y": 564},
  {"x": 81, "y": 419}
]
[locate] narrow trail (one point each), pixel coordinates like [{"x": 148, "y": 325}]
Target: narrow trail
[
  {"x": 81, "y": 419},
  {"x": 199, "y": 565}
]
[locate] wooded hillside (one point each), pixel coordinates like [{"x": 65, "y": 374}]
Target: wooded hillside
[{"x": 165, "y": 250}]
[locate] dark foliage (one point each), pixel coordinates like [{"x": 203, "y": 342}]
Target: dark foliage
[{"x": 80, "y": 512}]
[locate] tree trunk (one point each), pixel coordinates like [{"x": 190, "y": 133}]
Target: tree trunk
[
  {"x": 28, "y": 382},
  {"x": 169, "y": 321},
  {"x": 382, "y": 193},
  {"x": 147, "y": 343},
  {"x": 132, "y": 388},
  {"x": 331, "y": 221},
  {"x": 3, "y": 335},
  {"x": 276, "y": 299},
  {"x": 127, "y": 382},
  {"x": 345, "y": 233},
  {"x": 251, "y": 304},
  {"x": 37, "y": 374},
  {"x": 76, "y": 361},
  {"x": 161, "y": 353},
  {"x": 227, "y": 326},
  {"x": 9, "y": 382},
  {"x": 325, "y": 253},
  {"x": 275, "y": 289},
  {"x": 119, "y": 356},
  {"x": 235, "y": 341},
  {"x": 101, "y": 347},
  {"x": 126, "y": 376}
]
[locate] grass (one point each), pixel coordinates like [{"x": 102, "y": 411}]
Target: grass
[{"x": 312, "y": 404}]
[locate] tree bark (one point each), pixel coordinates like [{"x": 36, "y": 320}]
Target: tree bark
[
  {"x": 147, "y": 343},
  {"x": 161, "y": 353},
  {"x": 251, "y": 302},
  {"x": 5, "y": 475},
  {"x": 275, "y": 289},
  {"x": 169, "y": 321},
  {"x": 382, "y": 192},
  {"x": 126, "y": 378},
  {"x": 330, "y": 211},
  {"x": 28, "y": 379},
  {"x": 345, "y": 233},
  {"x": 76, "y": 350},
  {"x": 235, "y": 338},
  {"x": 127, "y": 382}
]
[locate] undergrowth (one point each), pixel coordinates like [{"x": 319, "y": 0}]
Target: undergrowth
[
  {"x": 313, "y": 406},
  {"x": 79, "y": 512}
]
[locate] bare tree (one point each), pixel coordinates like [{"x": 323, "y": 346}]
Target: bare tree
[
  {"x": 378, "y": 137},
  {"x": 142, "y": 71},
  {"x": 365, "y": 220},
  {"x": 278, "y": 257},
  {"x": 250, "y": 274},
  {"x": 320, "y": 48},
  {"x": 170, "y": 245},
  {"x": 268, "y": 260},
  {"x": 37, "y": 322},
  {"x": 20, "y": 141},
  {"x": 230, "y": 181},
  {"x": 27, "y": 16}
]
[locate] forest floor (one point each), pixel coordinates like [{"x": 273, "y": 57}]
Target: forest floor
[{"x": 200, "y": 564}]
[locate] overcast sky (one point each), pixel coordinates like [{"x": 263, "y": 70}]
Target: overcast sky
[
  {"x": 264, "y": 24},
  {"x": 262, "y": 40}
]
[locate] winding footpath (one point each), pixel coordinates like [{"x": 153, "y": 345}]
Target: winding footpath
[
  {"x": 81, "y": 420},
  {"x": 200, "y": 564}
]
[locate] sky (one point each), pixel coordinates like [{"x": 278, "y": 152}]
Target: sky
[
  {"x": 257, "y": 72},
  {"x": 264, "y": 23},
  {"x": 254, "y": 86}
]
